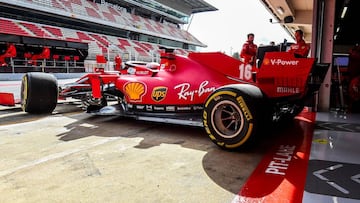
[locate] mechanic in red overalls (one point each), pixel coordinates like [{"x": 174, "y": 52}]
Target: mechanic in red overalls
[
  {"x": 300, "y": 49},
  {"x": 9, "y": 53},
  {"x": 118, "y": 62},
  {"x": 249, "y": 50}
]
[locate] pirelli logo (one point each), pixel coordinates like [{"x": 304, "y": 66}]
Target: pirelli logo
[{"x": 244, "y": 108}]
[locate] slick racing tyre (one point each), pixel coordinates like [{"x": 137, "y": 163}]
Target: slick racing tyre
[
  {"x": 231, "y": 115},
  {"x": 39, "y": 93}
]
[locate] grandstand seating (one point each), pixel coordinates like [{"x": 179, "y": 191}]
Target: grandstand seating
[
  {"x": 109, "y": 16},
  {"x": 91, "y": 4},
  {"x": 124, "y": 43},
  {"x": 8, "y": 26},
  {"x": 83, "y": 36},
  {"x": 37, "y": 31},
  {"x": 143, "y": 46},
  {"x": 98, "y": 43},
  {"x": 114, "y": 11},
  {"x": 141, "y": 51},
  {"x": 118, "y": 16},
  {"x": 54, "y": 31},
  {"x": 92, "y": 12},
  {"x": 101, "y": 39}
]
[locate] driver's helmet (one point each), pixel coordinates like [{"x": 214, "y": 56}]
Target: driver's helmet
[{"x": 152, "y": 65}]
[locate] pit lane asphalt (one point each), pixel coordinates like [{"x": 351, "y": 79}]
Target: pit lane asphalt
[{"x": 71, "y": 156}]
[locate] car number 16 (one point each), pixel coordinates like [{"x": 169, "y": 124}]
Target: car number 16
[{"x": 245, "y": 71}]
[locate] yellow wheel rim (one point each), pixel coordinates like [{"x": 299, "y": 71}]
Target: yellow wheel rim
[{"x": 24, "y": 93}]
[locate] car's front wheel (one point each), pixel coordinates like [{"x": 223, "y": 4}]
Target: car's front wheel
[
  {"x": 39, "y": 92},
  {"x": 231, "y": 116}
]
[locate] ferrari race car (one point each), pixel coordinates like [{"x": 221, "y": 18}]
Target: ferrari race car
[{"x": 229, "y": 99}]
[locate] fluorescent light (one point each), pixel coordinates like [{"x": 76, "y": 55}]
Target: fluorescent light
[
  {"x": 344, "y": 11},
  {"x": 280, "y": 10}
]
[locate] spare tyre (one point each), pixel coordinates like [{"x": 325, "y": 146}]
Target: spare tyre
[{"x": 39, "y": 93}]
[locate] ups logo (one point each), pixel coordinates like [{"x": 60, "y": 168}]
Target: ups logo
[{"x": 159, "y": 93}]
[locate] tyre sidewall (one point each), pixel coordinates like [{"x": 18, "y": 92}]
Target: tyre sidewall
[
  {"x": 242, "y": 102},
  {"x": 39, "y": 92}
]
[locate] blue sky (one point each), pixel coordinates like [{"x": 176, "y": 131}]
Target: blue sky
[{"x": 226, "y": 29}]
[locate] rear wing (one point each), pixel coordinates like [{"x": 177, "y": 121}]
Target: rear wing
[{"x": 282, "y": 75}]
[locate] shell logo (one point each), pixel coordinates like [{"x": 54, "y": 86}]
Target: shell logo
[
  {"x": 266, "y": 61},
  {"x": 135, "y": 90}
]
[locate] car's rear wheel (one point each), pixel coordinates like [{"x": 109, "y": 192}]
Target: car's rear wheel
[
  {"x": 230, "y": 118},
  {"x": 39, "y": 93}
]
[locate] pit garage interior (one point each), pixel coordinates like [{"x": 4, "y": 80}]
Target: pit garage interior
[
  {"x": 330, "y": 27},
  {"x": 315, "y": 160}
]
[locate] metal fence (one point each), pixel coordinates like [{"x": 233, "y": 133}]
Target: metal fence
[
  {"x": 71, "y": 66},
  {"x": 23, "y": 66}
]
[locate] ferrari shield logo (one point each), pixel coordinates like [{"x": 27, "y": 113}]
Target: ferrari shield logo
[{"x": 159, "y": 93}]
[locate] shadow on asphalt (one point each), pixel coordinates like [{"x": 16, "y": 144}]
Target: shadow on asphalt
[
  {"x": 227, "y": 169},
  {"x": 14, "y": 115}
]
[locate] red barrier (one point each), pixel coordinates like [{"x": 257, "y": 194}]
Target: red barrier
[{"x": 7, "y": 99}]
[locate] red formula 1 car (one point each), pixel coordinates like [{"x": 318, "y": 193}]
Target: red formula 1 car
[{"x": 230, "y": 99}]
